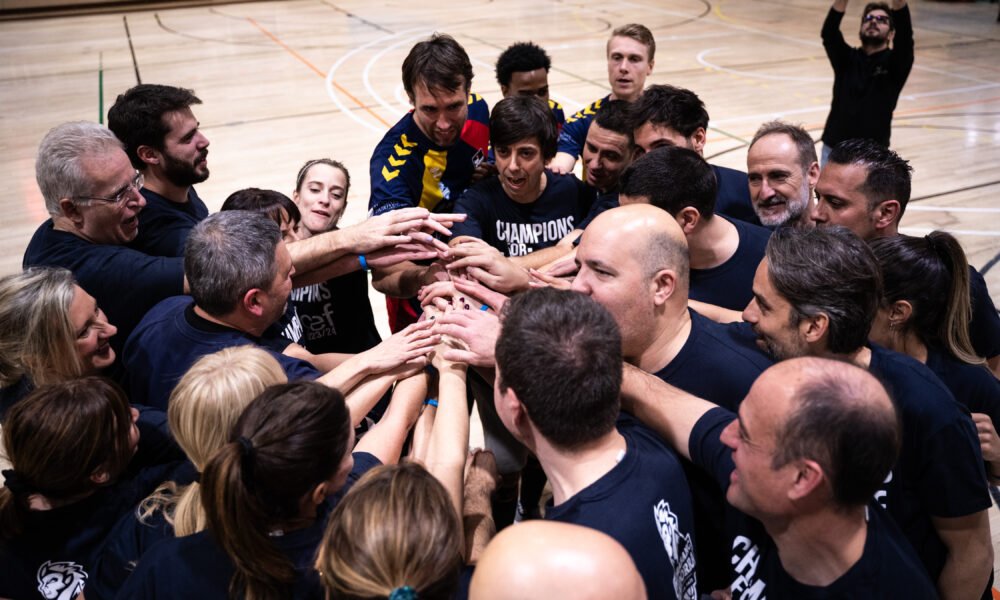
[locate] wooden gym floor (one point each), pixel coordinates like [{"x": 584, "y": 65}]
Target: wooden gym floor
[{"x": 283, "y": 82}]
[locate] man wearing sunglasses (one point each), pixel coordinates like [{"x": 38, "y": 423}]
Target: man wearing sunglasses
[{"x": 867, "y": 80}]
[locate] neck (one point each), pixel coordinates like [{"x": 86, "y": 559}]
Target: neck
[
  {"x": 817, "y": 549},
  {"x": 231, "y": 320},
  {"x": 861, "y": 357},
  {"x": 66, "y": 225},
  {"x": 869, "y": 50},
  {"x": 570, "y": 472},
  {"x": 712, "y": 243},
  {"x": 156, "y": 182},
  {"x": 909, "y": 343},
  {"x": 667, "y": 341}
]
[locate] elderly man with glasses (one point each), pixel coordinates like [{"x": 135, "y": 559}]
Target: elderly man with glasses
[
  {"x": 91, "y": 191},
  {"x": 867, "y": 80}
]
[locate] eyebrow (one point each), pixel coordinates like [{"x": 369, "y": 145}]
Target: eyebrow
[{"x": 760, "y": 301}]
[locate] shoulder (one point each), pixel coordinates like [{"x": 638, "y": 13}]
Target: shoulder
[{"x": 725, "y": 339}]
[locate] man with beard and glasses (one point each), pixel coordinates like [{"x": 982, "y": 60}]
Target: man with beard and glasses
[
  {"x": 867, "y": 80},
  {"x": 163, "y": 141}
]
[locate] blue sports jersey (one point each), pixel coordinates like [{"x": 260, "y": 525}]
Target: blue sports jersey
[
  {"x": 574, "y": 133},
  {"x": 408, "y": 169}
]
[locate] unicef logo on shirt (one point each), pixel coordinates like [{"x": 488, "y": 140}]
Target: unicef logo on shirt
[{"x": 61, "y": 580}]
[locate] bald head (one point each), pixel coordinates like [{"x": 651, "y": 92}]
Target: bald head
[
  {"x": 544, "y": 560},
  {"x": 840, "y": 416},
  {"x": 644, "y": 232}
]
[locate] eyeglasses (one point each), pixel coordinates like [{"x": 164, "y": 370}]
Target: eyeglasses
[
  {"x": 883, "y": 19},
  {"x": 121, "y": 196}
]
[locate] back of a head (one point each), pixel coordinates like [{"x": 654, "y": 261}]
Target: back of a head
[
  {"x": 58, "y": 438},
  {"x": 668, "y": 106},
  {"x": 844, "y": 420},
  {"x": 827, "y": 270},
  {"x": 136, "y": 117},
  {"x": 395, "y": 529},
  {"x": 268, "y": 202},
  {"x": 672, "y": 178},
  {"x": 203, "y": 408},
  {"x": 521, "y": 57},
  {"x": 520, "y": 118},
  {"x": 888, "y": 174},
  {"x": 59, "y": 168},
  {"x": 931, "y": 273},
  {"x": 228, "y": 254},
  {"x": 36, "y": 335},
  {"x": 288, "y": 440},
  {"x": 804, "y": 144},
  {"x": 439, "y": 63},
  {"x": 576, "y": 343},
  {"x": 542, "y": 560}
]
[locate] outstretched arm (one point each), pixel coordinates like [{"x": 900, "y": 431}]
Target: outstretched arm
[{"x": 668, "y": 411}]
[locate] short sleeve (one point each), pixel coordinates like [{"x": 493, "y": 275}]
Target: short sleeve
[
  {"x": 706, "y": 448},
  {"x": 952, "y": 480}
]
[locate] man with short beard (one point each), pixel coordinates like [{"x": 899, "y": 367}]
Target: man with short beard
[
  {"x": 867, "y": 80},
  {"x": 163, "y": 141},
  {"x": 782, "y": 172}
]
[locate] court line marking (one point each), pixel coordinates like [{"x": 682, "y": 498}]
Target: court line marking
[
  {"x": 970, "y": 232},
  {"x": 955, "y": 209},
  {"x": 316, "y": 70},
  {"x": 365, "y": 75}
]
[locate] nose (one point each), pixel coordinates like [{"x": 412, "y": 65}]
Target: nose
[
  {"x": 817, "y": 214},
  {"x": 750, "y": 312},
  {"x": 580, "y": 284},
  {"x": 766, "y": 191},
  {"x": 442, "y": 122},
  {"x": 729, "y": 436},
  {"x": 202, "y": 142}
]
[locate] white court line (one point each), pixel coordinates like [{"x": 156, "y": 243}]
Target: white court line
[
  {"x": 957, "y": 209},
  {"x": 972, "y": 88},
  {"x": 371, "y": 62},
  {"x": 972, "y": 232},
  {"x": 336, "y": 65},
  {"x": 753, "y": 74}
]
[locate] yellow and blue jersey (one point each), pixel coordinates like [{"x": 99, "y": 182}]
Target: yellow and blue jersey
[
  {"x": 574, "y": 134},
  {"x": 408, "y": 169}
]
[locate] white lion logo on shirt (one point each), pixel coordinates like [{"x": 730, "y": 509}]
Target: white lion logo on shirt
[
  {"x": 61, "y": 580},
  {"x": 679, "y": 550}
]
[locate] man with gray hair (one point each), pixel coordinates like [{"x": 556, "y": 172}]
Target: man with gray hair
[
  {"x": 782, "y": 171},
  {"x": 240, "y": 275},
  {"x": 92, "y": 193}
]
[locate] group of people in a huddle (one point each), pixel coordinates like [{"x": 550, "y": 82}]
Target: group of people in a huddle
[{"x": 692, "y": 380}]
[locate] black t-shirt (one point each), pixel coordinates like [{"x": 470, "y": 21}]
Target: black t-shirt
[
  {"x": 126, "y": 283},
  {"x": 196, "y": 566},
  {"x": 643, "y": 502},
  {"x": 974, "y": 386},
  {"x": 518, "y": 229},
  {"x": 730, "y": 285},
  {"x": 55, "y": 554},
  {"x": 939, "y": 472},
  {"x": 336, "y": 315},
  {"x": 733, "y": 196},
  {"x": 164, "y": 225},
  {"x": 888, "y": 568},
  {"x": 865, "y": 87},
  {"x": 984, "y": 327}
]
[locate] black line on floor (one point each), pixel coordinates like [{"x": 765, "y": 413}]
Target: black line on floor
[{"x": 131, "y": 49}]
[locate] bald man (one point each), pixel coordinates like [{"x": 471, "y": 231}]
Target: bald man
[
  {"x": 813, "y": 441},
  {"x": 542, "y": 560},
  {"x": 634, "y": 261}
]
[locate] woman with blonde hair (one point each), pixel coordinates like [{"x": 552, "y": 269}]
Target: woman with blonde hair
[
  {"x": 51, "y": 330},
  {"x": 203, "y": 408}
]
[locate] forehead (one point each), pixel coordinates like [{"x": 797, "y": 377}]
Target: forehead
[
  {"x": 531, "y": 142},
  {"x": 424, "y": 96},
  {"x": 651, "y": 133},
  {"x": 843, "y": 181},
  {"x": 605, "y": 139},
  {"x": 767, "y": 404},
  {"x": 774, "y": 149},
  {"x": 607, "y": 241},
  {"x": 627, "y": 46},
  {"x": 107, "y": 171},
  {"x": 81, "y": 307},
  {"x": 529, "y": 79},
  {"x": 762, "y": 286},
  {"x": 878, "y": 12},
  {"x": 324, "y": 173},
  {"x": 179, "y": 121}
]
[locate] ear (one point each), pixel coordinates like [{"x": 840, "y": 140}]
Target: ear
[
  {"x": 251, "y": 302},
  {"x": 886, "y": 214},
  {"x": 900, "y": 312},
  {"x": 688, "y": 218},
  {"x": 148, "y": 155},
  {"x": 698, "y": 139},
  {"x": 503, "y": 90},
  {"x": 71, "y": 210},
  {"x": 892, "y": 35},
  {"x": 652, "y": 64},
  {"x": 100, "y": 476},
  {"x": 664, "y": 283},
  {"x": 813, "y": 329},
  {"x": 812, "y": 175},
  {"x": 808, "y": 477},
  {"x": 319, "y": 493}
]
